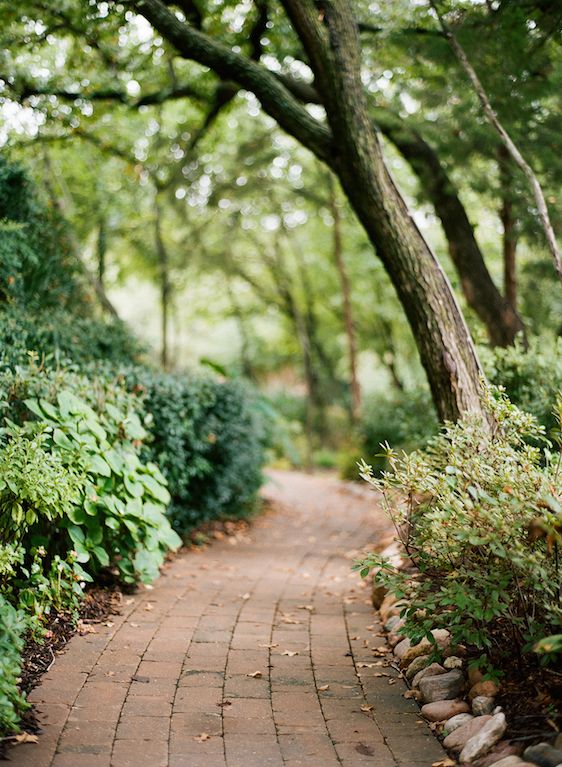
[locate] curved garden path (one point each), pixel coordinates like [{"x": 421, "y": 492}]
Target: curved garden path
[{"x": 257, "y": 653}]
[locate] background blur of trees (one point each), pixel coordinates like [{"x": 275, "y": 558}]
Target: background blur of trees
[{"x": 223, "y": 241}]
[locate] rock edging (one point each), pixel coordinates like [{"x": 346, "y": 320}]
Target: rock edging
[{"x": 458, "y": 702}]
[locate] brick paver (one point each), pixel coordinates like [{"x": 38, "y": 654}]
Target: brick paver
[{"x": 256, "y": 652}]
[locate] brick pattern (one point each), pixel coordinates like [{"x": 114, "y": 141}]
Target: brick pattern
[{"x": 257, "y": 652}]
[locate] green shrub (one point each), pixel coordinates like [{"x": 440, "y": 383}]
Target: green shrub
[
  {"x": 118, "y": 517},
  {"x": 208, "y": 438},
  {"x": 404, "y": 419},
  {"x": 57, "y": 337},
  {"x": 531, "y": 378},
  {"x": 13, "y": 625},
  {"x": 466, "y": 506}
]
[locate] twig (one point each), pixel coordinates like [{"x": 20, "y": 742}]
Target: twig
[
  {"x": 52, "y": 662},
  {"x": 507, "y": 141}
]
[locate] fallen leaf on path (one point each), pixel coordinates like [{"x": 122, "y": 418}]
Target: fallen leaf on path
[
  {"x": 324, "y": 687},
  {"x": 255, "y": 675},
  {"x": 134, "y": 625},
  {"x": 25, "y": 737},
  {"x": 109, "y": 624},
  {"x": 290, "y": 653},
  {"x": 366, "y": 709},
  {"x": 380, "y": 673},
  {"x": 85, "y": 628},
  {"x": 380, "y": 650},
  {"x": 245, "y": 596},
  {"x": 310, "y": 608},
  {"x": 202, "y": 738},
  {"x": 391, "y": 681},
  {"x": 269, "y": 646},
  {"x": 149, "y": 606},
  {"x": 444, "y": 763},
  {"x": 224, "y": 703}
]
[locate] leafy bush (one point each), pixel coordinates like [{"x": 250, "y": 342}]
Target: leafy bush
[
  {"x": 115, "y": 515},
  {"x": 56, "y": 337},
  {"x": 13, "y": 625},
  {"x": 404, "y": 419},
  {"x": 478, "y": 515},
  {"x": 208, "y": 439},
  {"x": 37, "y": 265},
  {"x": 532, "y": 378}
]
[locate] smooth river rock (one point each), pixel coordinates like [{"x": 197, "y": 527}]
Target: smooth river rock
[
  {"x": 416, "y": 665},
  {"x": 488, "y": 688},
  {"x": 434, "y": 669},
  {"x": 482, "y": 704},
  {"x": 442, "y": 638},
  {"x": 543, "y": 755},
  {"x": 484, "y": 740},
  {"x": 457, "y": 740},
  {"x": 445, "y": 709},
  {"x": 442, "y": 687},
  {"x": 456, "y": 721}
]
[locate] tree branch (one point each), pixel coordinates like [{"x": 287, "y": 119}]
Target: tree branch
[
  {"x": 276, "y": 100},
  {"x": 506, "y": 139}
]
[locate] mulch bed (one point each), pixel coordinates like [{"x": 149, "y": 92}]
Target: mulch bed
[{"x": 39, "y": 656}]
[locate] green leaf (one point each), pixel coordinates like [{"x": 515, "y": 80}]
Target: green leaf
[
  {"x": 60, "y": 439},
  {"x": 96, "y": 465}
]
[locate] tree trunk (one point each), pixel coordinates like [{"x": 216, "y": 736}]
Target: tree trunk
[
  {"x": 349, "y": 145},
  {"x": 165, "y": 287},
  {"x": 101, "y": 247},
  {"x": 497, "y": 313},
  {"x": 442, "y": 337},
  {"x": 354, "y": 386},
  {"x": 509, "y": 242}
]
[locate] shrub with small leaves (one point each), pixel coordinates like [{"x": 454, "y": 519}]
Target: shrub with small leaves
[
  {"x": 13, "y": 625},
  {"x": 479, "y": 515}
]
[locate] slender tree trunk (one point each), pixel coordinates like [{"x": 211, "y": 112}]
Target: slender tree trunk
[
  {"x": 101, "y": 249},
  {"x": 247, "y": 368},
  {"x": 354, "y": 386},
  {"x": 509, "y": 224},
  {"x": 165, "y": 287},
  {"x": 498, "y": 314}
]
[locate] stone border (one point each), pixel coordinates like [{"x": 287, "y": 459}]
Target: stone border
[{"x": 458, "y": 702}]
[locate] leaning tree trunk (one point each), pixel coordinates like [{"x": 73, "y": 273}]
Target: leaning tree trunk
[
  {"x": 349, "y": 145},
  {"x": 442, "y": 337},
  {"x": 165, "y": 286}
]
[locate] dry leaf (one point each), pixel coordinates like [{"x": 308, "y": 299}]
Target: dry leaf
[
  {"x": 324, "y": 687},
  {"x": 245, "y": 596},
  {"x": 366, "y": 665},
  {"x": 310, "y": 608},
  {"x": 380, "y": 651},
  {"x": 380, "y": 673},
  {"x": 366, "y": 709},
  {"x": 149, "y": 606},
  {"x": 255, "y": 675},
  {"x": 270, "y": 646},
  {"x": 109, "y": 624},
  {"x": 25, "y": 737},
  {"x": 361, "y": 748},
  {"x": 444, "y": 763},
  {"x": 202, "y": 738},
  {"x": 290, "y": 653},
  {"x": 134, "y": 625},
  {"x": 412, "y": 694},
  {"x": 224, "y": 703},
  {"x": 392, "y": 681}
]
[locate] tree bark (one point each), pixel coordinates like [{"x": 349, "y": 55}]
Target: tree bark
[
  {"x": 498, "y": 314},
  {"x": 165, "y": 286},
  {"x": 509, "y": 240},
  {"x": 507, "y": 142},
  {"x": 350, "y": 146},
  {"x": 101, "y": 247},
  {"x": 349, "y": 324}
]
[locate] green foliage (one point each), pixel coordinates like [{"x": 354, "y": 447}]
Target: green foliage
[
  {"x": 13, "y": 625},
  {"x": 56, "y": 337},
  {"x": 37, "y": 266},
  {"x": 92, "y": 429},
  {"x": 404, "y": 419},
  {"x": 208, "y": 439},
  {"x": 531, "y": 378},
  {"x": 35, "y": 485},
  {"x": 465, "y": 507}
]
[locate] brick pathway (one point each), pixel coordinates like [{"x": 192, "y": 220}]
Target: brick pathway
[{"x": 252, "y": 653}]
